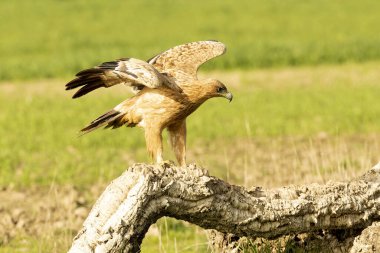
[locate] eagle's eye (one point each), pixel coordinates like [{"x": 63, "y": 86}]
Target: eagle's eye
[{"x": 220, "y": 89}]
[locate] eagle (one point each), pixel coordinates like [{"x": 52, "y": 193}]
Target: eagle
[{"x": 166, "y": 88}]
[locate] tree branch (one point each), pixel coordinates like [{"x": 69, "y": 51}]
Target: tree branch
[{"x": 144, "y": 193}]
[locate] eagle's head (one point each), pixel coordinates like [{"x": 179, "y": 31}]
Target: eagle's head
[{"x": 215, "y": 88}]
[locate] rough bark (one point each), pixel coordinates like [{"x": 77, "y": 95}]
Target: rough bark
[
  {"x": 368, "y": 240},
  {"x": 144, "y": 193}
]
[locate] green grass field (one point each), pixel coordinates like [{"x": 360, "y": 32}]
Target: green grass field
[
  {"x": 308, "y": 124},
  {"x": 44, "y": 122},
  {"x": 50, "y": 39},
  {"x": 304, "y": 74}
]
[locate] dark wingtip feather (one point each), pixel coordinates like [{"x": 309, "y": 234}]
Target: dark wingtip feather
[
  {"x": 80, "y": 81},
  {"x": 109, "y": 65},
  {"x": 91, "y": 78},
  {"x": 88, "y": 88},
  {"x": 91, "y": 71},
  {"x": 73, "y": 84},
  {"x": 89, "y": 83}
]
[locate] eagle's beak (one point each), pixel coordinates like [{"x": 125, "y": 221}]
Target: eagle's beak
[{"x": 229, "y": 96}]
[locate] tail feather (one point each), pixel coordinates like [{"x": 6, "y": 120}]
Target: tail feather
[
  {"x": 107, "y": 118},
  {"x": 112, "y": 119}
]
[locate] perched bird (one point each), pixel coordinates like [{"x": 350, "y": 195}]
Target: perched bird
[{"x": 167, "y": 91}]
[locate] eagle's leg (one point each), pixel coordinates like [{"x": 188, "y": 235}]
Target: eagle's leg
[
  {"x": 177, "y": 134},
  {"x": 153, "y": 138}
]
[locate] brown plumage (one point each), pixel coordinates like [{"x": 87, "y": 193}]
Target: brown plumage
[{"x": 168, "y": 91}]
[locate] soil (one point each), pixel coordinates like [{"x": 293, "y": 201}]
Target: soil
[{"x": 37, "y": 211}]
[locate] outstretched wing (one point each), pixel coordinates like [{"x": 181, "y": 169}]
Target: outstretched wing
[
  {"x": 182, "y": 62},
  {"x": 128, "y": 71}
]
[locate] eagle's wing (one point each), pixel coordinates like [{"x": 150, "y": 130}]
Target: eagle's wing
[
  {"x": 128, "y": 71},
  {"x": 182, "y": 62}
]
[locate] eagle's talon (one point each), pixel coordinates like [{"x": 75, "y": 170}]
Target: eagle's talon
[{"x": 166, "y": 164}]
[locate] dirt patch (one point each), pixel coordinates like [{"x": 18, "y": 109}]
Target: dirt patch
[{"x": 41, "y": 211}]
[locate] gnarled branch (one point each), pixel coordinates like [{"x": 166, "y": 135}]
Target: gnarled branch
[{"x": 144, "y": 193}]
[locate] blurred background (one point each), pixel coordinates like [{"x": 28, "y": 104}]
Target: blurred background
[{"x": 305, "y": 77}]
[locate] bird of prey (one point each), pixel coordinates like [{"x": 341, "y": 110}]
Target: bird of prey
[{"x": 167, "y": 91}]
